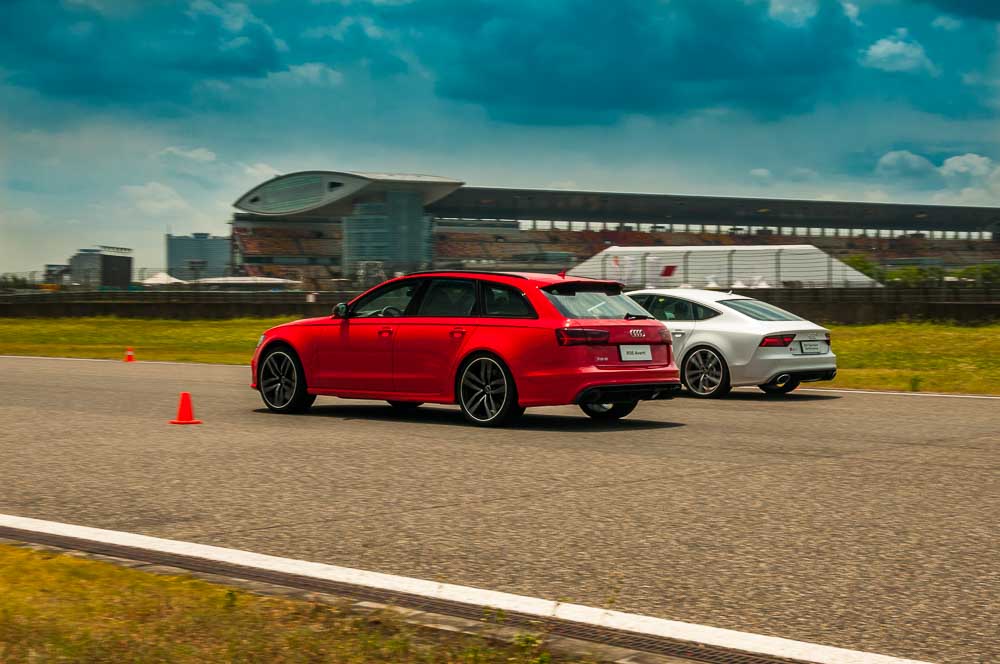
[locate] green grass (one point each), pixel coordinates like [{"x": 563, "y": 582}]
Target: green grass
[
  {"x": 56, "y": 607},
  {"x": 929, "y": 357}
]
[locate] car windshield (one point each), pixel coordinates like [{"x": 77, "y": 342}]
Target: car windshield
[
  {"x": 586, "y": 301},
  {"x": 759, "y": 310}
]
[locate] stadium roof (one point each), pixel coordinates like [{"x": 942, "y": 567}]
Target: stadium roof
[
  {"x": 612, "y": 207},
  {"x": 334, "y": 193}
]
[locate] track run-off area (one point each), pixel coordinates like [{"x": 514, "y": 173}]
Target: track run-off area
[{"x": 860, "y": 520}]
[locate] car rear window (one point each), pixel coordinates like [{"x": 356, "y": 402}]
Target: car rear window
[
  {"x": 759, "y": 310},
  {"x": 592, "y": 301}
]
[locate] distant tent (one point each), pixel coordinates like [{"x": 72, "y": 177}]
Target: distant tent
[
  {"x": 162, "y": 279},
  {"x": 754, "y": 266},
  {"x": 246, "y": 281}
]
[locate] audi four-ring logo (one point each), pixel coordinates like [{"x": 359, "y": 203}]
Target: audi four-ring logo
[{"x": 637, "y": 332}]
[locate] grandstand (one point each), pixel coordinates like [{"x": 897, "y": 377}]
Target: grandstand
[{"x": 319, "y": 226}]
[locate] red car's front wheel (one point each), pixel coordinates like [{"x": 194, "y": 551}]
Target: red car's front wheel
[
  {"x": 282, "y": 382},
  {"x": 486, "y": 392}
]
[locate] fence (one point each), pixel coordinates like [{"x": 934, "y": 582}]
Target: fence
[{"x": 833, "y": 305}]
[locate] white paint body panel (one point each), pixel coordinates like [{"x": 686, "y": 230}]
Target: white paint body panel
[{"x": 737, "y": 337}]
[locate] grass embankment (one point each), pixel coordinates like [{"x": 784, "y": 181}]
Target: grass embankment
[
  {"x": 56, "y": 607},
  {"x": 927, "y": 357}
]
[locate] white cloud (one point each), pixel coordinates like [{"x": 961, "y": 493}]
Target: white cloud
[
  {"x": 196, "y": 154},
  {"x": 801, "y": 174},
  {"x": 793, "y": 12},
  {"x": 260, "y": 170},
  {"x": 898, "y": 53},
  {"x": 969, "y": 164},
  {"x": 947, "y": 23},
  {"x": 851, "y": 11},
  {"x": 876, "y": 196},
  {"x": 760, "y": 174},
  {"x": 155, "y": 198},
  {"x": 905, "y": 164},
  {"x": 370, "y": 28},
  {"x": 309, "y": 73},
  {"x": 233, "y": 15}
]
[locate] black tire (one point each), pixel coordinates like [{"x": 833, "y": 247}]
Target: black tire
[
  {"x": 784, "y": 388},
  {"x": 705, "y": 373},
  {"x": 406, "y": 406},
  {"x": 608, "y": 411},
  {"x": 481, "y": 382},
  {"x": 289, "y": 393}
]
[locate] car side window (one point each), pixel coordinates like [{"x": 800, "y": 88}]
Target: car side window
[
  {"x": 390, "y": 302},
  {"x": 663, "y": 307},
  {"x": 642, "y": 300},
  {"x": 449, "y": 297},
  {"x": 505, "y": 302},
  {"x": 704, "y": 313}
]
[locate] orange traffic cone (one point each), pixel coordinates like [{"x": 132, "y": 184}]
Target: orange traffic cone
[
  {"x": 185, "y": 413},
  {"x": 129, "y": 355}
]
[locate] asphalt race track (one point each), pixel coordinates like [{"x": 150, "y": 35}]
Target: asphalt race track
[{"x": 865, "y": 521}]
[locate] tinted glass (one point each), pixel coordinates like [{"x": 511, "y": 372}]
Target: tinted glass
[
  {"x": 449, "y": 297},
  {"x": 670, "y": 308},
  {"x": 759, "y": 310},
  {"x": 387, "y": 302},
  {"x": 704, "y": 313},
  {"x": 505, "y": 302},
  {"x": 593, "y": 304}
]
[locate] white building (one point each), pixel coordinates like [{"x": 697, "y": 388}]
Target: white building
[{"x": 756, "y": 266}]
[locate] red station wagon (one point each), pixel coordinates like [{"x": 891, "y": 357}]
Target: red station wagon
[{"x": 495, "y": 343}]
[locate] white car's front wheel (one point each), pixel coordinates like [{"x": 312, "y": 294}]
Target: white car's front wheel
[{"x": 705, "y": 374}]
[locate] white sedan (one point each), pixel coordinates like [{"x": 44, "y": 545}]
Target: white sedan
[{"x": 723, "y": 340}]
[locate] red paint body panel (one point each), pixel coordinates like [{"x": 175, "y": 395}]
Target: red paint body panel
[{"x": 413, "y": 358}]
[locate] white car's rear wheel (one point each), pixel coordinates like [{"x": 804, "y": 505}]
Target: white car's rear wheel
[{"x": 705, "y": 374}]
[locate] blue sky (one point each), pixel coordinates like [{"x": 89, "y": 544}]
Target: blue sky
[{"x": 123, "y": 118}]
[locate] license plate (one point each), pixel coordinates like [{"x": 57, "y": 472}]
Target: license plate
[
  {"x": 811, "y": 347},
  {"x": 635, "y": 353}
]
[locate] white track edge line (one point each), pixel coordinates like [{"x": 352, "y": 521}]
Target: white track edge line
[
  {"x": 714, "y": 636},
  {"x": 105, "y": 359},
  {"x": 739, "y": 387}
]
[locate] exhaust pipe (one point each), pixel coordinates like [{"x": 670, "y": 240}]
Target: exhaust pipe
[{"x": 782, "y": 379}]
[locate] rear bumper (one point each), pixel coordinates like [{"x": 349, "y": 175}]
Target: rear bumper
[
  {"x": 619, "y": 393},
  {"x": 561, "y": 387},
  {"x": 807, "y": 376}
]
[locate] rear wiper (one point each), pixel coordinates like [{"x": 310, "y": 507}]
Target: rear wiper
[{"x": 631, "y": 316}]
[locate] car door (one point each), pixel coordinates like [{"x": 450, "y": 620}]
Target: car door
[
  {"x": 355, "y": 354},
  {"x": 679, "y": 315},
  {"x": 426, "y": 349}
]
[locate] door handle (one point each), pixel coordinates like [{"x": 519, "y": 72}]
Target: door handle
[
  {"x": 679, "y": 333},
  {"x": 385, "y": 332},
  {"x": 457, "y": 333}
]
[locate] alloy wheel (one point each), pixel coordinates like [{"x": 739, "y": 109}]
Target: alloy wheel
[
  {"x": 483, "y": 389},
  {"x": 703, "y": 372},
  {"x": 278, "y": 379}
]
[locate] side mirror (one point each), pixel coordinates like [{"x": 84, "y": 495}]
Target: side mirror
[{"x": 340, "y": 311}]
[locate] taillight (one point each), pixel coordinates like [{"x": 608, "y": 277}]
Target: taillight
[
  {"x": 777, "y": 341},
  {"x": 665, "y": 336},
  {"x": 581, "y": 336},
  {"x": 830, "y": 345}
]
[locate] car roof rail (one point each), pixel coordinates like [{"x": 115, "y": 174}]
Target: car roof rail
[{"x": 499, "y": 274}]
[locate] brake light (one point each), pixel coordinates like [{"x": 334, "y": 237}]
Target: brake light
[
  {"x": 581, "y": 336},
  {"x": 777, "y": 341},
  {"x": 828, "y": 340},
  {"x": 665, "y": 336}
]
